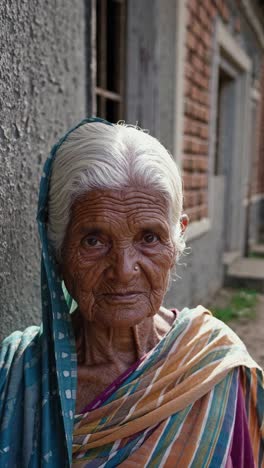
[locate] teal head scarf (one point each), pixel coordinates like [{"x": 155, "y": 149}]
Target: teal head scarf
[{"x": 38, "y": 367}]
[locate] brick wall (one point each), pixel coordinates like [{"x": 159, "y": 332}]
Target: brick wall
[{"x": 198, "y": 69}]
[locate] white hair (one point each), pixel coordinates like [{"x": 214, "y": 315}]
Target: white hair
[{"x": 101, "y": 156}]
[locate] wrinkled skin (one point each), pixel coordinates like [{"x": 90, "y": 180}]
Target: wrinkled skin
[{"x": 119, "y": 316}]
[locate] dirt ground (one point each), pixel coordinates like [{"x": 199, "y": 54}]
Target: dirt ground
[{"x": 251, "y": 331}]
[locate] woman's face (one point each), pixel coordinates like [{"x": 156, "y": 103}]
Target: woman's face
[{"x": 117, "y": 255}]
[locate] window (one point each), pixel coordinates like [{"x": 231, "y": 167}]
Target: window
[{"x": 110, "y": 52}]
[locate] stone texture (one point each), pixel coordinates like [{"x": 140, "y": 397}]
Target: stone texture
[{"x": 42, "y": 77}]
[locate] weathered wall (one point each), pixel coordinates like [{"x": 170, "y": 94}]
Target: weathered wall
[
  {"x": 260, "y": 186},
  {"x": 256, "y": 218},
  {"x": 200, "y": 270},
  {"x": 150, "y": 82},
  {"x": 42, "y": 84}
]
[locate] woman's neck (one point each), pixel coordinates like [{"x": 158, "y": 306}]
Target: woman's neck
[
  {"x": 103, "y": 354},
  {"x": 98, "y": 345}
]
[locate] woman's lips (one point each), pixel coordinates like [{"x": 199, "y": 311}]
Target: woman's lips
[{"x": 122, "y": 297}]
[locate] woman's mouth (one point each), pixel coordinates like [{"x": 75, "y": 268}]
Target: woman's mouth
[{"x": 122, "y": 296}]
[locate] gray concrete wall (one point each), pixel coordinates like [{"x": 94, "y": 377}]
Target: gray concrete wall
[
  {"x": 150, "y": 83},
  {"x": 256, "y": 216},
  {"x": 261, "y": 217},
  {"x": 42, "y": 92},
  {"x": 200, "y": 272}
]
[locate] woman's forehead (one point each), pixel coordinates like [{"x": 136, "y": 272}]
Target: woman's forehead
[{"x": 138, "y": 203}]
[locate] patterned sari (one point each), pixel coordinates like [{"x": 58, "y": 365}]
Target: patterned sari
[
  {"x": 178, "y": 406},
  {"x": 174, "y": 407}
]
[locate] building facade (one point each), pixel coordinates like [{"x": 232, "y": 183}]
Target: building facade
[
  {"x": 195, "y": 79},
  {"x": 192, "y": 74},
  {"x": 189, "y": 71}
]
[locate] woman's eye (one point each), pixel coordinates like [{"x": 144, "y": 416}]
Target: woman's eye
[
  {"x": 92, "y": 241},
  {"x": 150, "y": 238}
]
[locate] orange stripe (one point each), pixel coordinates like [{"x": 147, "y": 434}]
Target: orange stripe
[
  {"x": 141, "y": 455},
  {"x": 185, "y": 446}
]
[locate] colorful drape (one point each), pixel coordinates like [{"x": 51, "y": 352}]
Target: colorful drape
[{"x": 177, "y": 408}]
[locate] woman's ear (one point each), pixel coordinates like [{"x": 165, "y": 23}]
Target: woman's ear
[{"x": 184, "y": 220}]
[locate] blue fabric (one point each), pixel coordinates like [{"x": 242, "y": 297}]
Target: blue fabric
[{"x": 38, "y": 367}]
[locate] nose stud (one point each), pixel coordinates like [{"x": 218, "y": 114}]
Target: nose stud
[{"x": 136, "y": 268}]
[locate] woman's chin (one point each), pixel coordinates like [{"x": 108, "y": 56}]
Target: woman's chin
[{"x": 122, "y": 315}]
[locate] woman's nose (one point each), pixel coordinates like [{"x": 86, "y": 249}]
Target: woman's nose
[{"x": 123, "y": 265}]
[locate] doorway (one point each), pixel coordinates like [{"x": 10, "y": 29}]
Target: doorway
[{"x": 224, "y": 146}]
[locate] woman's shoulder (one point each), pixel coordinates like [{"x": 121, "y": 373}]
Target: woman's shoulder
[
  {"x": 203, "y": 320},
  {"x": 202, "y": 316},
  {"x": 17, "y": 351},
  {"x": 200, "y": 324},
  {"x": 19, "y": 339}
]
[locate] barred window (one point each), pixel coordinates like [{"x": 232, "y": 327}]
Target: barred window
[{"x": 110, "y": 52}]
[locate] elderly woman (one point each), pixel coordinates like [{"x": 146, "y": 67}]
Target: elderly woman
[{"x": 112, "y": 378}]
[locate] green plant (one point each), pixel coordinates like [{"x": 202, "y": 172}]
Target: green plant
[
  {"x": 256, "y": 255},
  {"x": 241, "y": 304}
]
